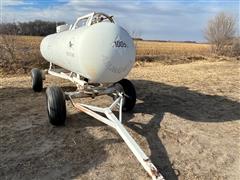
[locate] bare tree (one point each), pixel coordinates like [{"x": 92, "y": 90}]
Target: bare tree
[
  {"x": 8, "y": 48},
  {"x": 220, "y": 30}
]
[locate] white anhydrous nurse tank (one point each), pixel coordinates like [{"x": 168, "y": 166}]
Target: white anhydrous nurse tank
[{"x": 102, "y": 52}]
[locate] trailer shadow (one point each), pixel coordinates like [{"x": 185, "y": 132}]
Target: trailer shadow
[
  {"x": 156, "y": 99},
  {"x": 185, "y": 103},
  {"x": 32, "y": 148},
  {"x": 159, "y": 98}
]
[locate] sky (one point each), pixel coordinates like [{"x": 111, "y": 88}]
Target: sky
[{"x": 153, "y": 19}]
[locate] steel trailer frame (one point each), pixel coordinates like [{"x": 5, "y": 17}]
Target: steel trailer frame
[{"x": 110, "y": 119}]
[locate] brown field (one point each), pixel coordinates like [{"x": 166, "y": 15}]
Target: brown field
[
  {"x": 187, "y": 120},
  {"x": 143, "y": 47},
  {"x": 171, "y": 48},
  {"x": 28, "y": 55}
]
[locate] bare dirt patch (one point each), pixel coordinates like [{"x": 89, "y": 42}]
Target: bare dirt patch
[{"x": 186, "y": 119}]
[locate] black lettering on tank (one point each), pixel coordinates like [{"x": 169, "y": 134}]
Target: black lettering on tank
[{"x": 119, "y": 44}]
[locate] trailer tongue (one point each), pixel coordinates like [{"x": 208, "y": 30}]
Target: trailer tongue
[{"x": 116, "y": 123}]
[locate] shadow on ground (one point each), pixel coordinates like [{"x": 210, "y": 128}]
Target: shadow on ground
[
  {"x": 156, "y": 99},
  {"x": 31, "y": 148},
  {"x": 159, "y": 98}
]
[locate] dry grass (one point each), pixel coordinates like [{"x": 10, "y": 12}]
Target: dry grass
[
  {"x": 171, "y": 52},
  {"x": 27, "y": 55},
  {"x": 171, "y": 48}
]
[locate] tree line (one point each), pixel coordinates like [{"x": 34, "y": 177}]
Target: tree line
[{"x": 32, "y": 28}]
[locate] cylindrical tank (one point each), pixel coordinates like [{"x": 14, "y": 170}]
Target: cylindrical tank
[{"x": 103, "y": 52}]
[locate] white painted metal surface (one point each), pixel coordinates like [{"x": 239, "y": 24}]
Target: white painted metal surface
[
  {"x": 102, "y": 52},
  {"x": 115, "y": 123},
  {"x": 62, "y": 28}
]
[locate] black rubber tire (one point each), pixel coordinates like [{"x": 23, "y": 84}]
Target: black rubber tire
[
  {"x": 56, "y": 106},
  {"x": 130, "y": 95},
  {"x": 37, "y": 80}
]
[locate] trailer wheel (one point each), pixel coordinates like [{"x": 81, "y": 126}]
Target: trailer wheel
[
  {"x": 130, "y": 95},
  {"x": 37, "y": 80},
  {"x": 56, "y": 106}
]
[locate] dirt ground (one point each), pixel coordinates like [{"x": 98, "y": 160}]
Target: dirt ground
[{"x": 186, "y": 120}]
